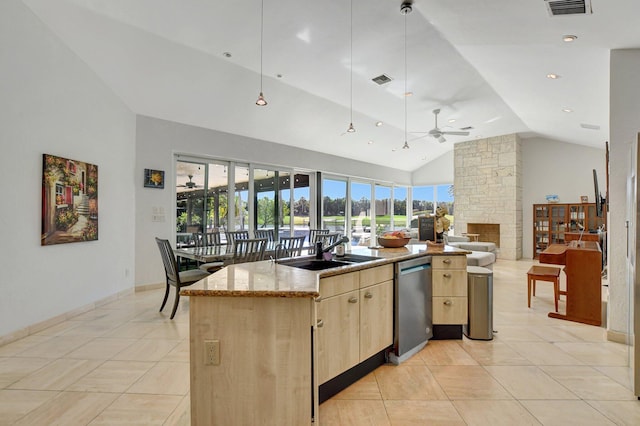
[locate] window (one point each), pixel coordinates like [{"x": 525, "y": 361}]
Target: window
[
  {"x": 445, "y": 199},
  {"x": 399, "y": 218},
  {"x": 423, "y": 198},
  {"x": 240, "y": 198},
  {"x": 334, "y": 204},
  {"x": 383, "y": 209},
  {"x": 426, "y": 198},
  {"x": 360, "y": 213},
  {"x": 266, "y": 206},
  {"x": 301, "y": 210},
  {"x": 190, "y": 197},
  {"x": 224, "y": 195}
]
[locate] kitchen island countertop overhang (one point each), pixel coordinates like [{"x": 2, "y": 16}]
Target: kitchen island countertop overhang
[{"x": 270, "y": 279}]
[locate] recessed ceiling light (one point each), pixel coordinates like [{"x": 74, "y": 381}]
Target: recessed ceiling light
[
  {"x": 279, "y": 75},
  {"x": 393, "y": 150},
  {"x": 226, "y": 54},
  {"x": 370, "y": 142},
  {"x": 378, "y": 123},
  {"x": 567, "y": 110},
  {"x": 569, "y": 38},
  {"x": 553, "y": 76},
  {"x": 408, "y": 93},
  {"x": 452, "y": 120}
]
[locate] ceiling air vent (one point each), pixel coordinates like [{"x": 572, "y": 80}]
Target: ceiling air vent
[
  {"x": 590, "y": 126},
  {"x": 382, "y": 79},
  {"x": 568, "y": 7},
  {"x": 466, "y": 128}
]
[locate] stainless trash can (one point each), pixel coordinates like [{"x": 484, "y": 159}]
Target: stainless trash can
[{"x": 480, "y": 298}]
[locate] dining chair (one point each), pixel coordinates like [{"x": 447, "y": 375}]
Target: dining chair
[
  {"x": 232, "y": 236},
  {"x": 290, "y": 246},
  {"x": 173, "y": 277},
  {"x": 314, "y": 234},
  {"x": 249, "y": 250},
  {"x": 198, "y": 239},
  {"x": 211, "y": 239},
  {"x": 264, "y": 233}
]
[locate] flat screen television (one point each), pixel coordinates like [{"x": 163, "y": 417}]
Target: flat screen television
[{"x": 600, "y": 200}]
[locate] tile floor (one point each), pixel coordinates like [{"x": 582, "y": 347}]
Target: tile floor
[{"x": 126, "y": 364}]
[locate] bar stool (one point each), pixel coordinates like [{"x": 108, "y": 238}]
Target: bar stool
[{"x": 544, "y": 273}]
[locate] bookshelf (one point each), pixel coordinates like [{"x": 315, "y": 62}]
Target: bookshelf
[{"x": 552, "y": 220}]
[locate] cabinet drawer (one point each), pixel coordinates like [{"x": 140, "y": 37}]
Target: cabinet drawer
[
  {"x": 338, "y": 284},
  {"x": 449, "y": 262},
  {"x": 376, "y": 275},
  {"x": 449, "y": 310},
  {"x": 449, "y": 283}
]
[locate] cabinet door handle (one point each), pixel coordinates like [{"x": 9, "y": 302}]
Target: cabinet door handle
[
  {"x": 446, "y": 261},
  {"x": 318, "y": 299},
  {"x": 353, "y": 299},
  {"x": 320, "y": 323},
  {"x": 448, "y": 302},
  {"x": 368, "y": 295},
  {"x": 446, "y": 275}
]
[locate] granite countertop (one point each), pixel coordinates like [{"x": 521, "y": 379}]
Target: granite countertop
[{"x": 270, "y": 279}]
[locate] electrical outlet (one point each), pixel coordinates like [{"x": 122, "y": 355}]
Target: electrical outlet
[{"x": 212, "y": 352}]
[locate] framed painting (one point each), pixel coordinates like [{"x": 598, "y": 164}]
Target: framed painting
[
  {"x": 153, "y": 178},
  {"x": 69, "y": 201}
]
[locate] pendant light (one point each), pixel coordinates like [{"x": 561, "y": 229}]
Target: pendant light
[
  {"x": 351, "y": 129},
  {"x": 405, "y": 9},
  {"x": 261, "y": 100}
]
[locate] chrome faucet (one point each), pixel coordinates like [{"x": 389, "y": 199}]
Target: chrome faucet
[{"x": 320, "y": 250}]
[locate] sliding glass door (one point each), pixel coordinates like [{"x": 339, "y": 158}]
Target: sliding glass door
[
  {"x": 383, "y": 209},
  {"x": 190, "y": 198},
  {"x": 400, "y": 200}
]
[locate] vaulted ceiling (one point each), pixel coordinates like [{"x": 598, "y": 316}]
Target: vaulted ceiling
[{"x": 483, "y": 63}]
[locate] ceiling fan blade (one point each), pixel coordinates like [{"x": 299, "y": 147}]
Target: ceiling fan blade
[{"x": 456, "y": 133}]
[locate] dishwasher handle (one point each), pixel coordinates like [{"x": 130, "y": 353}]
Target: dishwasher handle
[{"x": 412, "y": 269}]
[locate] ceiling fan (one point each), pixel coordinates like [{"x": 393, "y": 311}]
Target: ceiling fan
[
  {"x": 189, "y": 184},
  {"x": 438, "y": 134}
]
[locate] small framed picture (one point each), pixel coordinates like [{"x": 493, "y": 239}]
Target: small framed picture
[
  {"x": 584, "y": 199},
  {"x": 153, "y": 178}
]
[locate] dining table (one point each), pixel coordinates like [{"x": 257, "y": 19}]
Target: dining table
[{"x": 217, "y": 253}]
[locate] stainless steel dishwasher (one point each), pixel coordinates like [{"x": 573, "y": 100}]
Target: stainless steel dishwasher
[{"x": 413, "y": 325}]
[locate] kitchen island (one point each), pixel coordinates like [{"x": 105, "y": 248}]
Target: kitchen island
[{"x": 256, "y": 356}]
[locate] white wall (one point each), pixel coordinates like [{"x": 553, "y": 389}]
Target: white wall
[
  {"x": 435, "y": 172},
  {"x": 158, "y": 141},
  {"x": 552, "y": 167},
  {"x": 52, "y": 103},
  {"x": 624, "y": 127}
]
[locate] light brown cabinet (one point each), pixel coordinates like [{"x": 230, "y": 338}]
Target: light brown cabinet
[
  {"x": 354, "y": 319},
  {"x": 449, "y": 283},
  {"x": 338, "y": 336},
  {"x": 552, "y": 221},
  {"x": 376, "y": 318}
]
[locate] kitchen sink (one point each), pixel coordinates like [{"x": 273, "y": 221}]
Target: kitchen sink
[{"x": 313, "y": 264}]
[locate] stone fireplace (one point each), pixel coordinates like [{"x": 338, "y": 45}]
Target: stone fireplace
[{"x": 488, "y": 192}]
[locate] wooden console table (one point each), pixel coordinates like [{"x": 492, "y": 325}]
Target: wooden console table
[{"x": 584, "y": 285}]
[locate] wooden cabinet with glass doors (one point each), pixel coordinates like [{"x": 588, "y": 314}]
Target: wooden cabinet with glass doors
[{"x": 551, "y": 221}]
